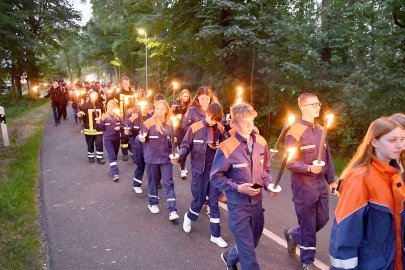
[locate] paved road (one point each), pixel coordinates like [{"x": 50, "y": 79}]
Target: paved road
[{"x": 92, "y": 223}]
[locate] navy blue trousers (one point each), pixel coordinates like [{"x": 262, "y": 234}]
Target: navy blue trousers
[
  {"x": 137, "y": 151},
  {"x": 312, "y": 217},
  {"x": 155, "y": 172},
  {"x": 201, "y": 189},
  {"x": 112, "y": 147},
  {"x": 246, "y": 223}
]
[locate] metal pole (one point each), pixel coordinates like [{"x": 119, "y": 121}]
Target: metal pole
[
  {"x": 4, "y": 131},
  {"x": 146, "y": 61}
]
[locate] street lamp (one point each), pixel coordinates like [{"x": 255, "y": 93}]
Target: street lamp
[{"x": 143, "y": 32}]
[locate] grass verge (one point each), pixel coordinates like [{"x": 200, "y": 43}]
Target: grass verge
[
  {"x": 15, "y": 107},
  {"x": 20, "y": 240}
]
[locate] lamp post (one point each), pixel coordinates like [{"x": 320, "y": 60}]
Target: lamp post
[{"x": 143, "y": 32}]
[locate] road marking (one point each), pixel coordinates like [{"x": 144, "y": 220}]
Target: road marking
[{"x": 281, "y": 241}]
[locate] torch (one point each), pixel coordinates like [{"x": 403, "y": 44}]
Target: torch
[
  {"x": 328, "y": 122},
  {"x": 93, "y": 97},
  {"x": 175, "y": 86},
  {"x": 274, "y": 187},
  {"x": 142, "y": 105},
  {"x": 289, "y": 122},
  {"x": 174, "y": 121},
  {"x": 35, "y": 90},
  {"x": 239, "y": 92}
]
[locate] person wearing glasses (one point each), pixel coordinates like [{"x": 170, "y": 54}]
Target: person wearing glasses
[{"x": 309, "y": 183}]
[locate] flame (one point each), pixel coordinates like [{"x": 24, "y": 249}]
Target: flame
[
  {"x": 77, "y": 93},
  {"x": 35, "y": 88},
  {"x": 126, "y": 100},
  {"x": 142, "y": 104},
  {"x": 239, "y": 93},
  {"x": 149, "y": 93},
  {"x": 291, "y": 153},
  {"x": 116, "y": 111},
  {"x": 174, "y": 120},
  {"x": 93, "y": 96},
  {"x": 329, "y": 118},
  {"x": 291, "y": 120},
  {"x": 175, "y": 85},
  {"x": 179, "y": 116},
  {"x": 82, "y": 92}
]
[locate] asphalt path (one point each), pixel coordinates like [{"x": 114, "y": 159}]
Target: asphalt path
[{"x": 92, "y": 223}]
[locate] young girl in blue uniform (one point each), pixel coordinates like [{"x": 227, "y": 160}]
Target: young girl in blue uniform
[
  {"x": 111, "y": 124},
  {"x": 195, "y": 113},
  {"x": 156, "y": 150},
  {"x": 202, "y": 139}
]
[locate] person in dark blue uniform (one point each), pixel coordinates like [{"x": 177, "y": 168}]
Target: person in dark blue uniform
[
  {"x": 241, "y": 167},
  {"x": 195, "y": 113},
  {"x": 110, "y": 124},
  {"x": 202, "y": 140},
  {"x": 309, "y": 183},
  {"x": 156, "y": 150}
]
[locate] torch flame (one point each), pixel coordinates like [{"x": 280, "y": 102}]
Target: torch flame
[
  {"x": 149, "y": 93},
  {"x": 291, "y": 153},
  {"x": 174, "y": 120},
  {"x": 291, "y": 119},
  {"x": 329, "y": 117},
  {"x": 116, "y": 111},
  {"x": 142, "y": 104},
  {"x": 126, "y": 100},
  {"x": 175, "y": 85},
  {"x": 239, "y": 93},
  {"x": 77, "y": 93},
  {"x": 35, "y": 88},
  {"x": 93, "y": 96}
]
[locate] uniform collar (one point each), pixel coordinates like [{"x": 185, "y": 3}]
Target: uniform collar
[
  {"x": 384, "y": 169},
  {"x": 206, "y": 124},
  {"x": 306, "y": 123},
  {"x": 243, "y": 139}
]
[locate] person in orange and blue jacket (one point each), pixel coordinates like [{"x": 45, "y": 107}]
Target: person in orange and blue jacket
[
  {"x": 400, "y": 163},
  {"x": 368, "y": 228},
  {"x": 241, "y": 167},
  {"x": 156, "y": 150},
  {"x": 202, "y": 140},
  {"x": 195, "y": 113},
  {"x": 110, "y": 123},
  {"x": 309, "y": 183}
]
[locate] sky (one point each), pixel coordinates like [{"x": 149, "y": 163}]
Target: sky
[{"x": 84, "y": 9}]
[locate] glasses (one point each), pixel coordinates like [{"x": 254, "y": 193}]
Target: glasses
[{"x": 314, "y": 105}]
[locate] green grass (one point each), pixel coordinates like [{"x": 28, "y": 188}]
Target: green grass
[
  {"x": 20, "y": 241},
  {"x": 15, "y": 107}
]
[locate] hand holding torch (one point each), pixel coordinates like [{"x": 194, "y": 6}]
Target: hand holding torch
[{"x": 174, "y": 121}]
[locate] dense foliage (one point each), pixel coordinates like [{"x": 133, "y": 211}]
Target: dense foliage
[{"x": 351, "y": 53}]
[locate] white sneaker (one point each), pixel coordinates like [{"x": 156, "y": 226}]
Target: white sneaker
[
  {"x": 173, "y": 215},
  {"x": 154, "y": 209},
  {"x": 183, "y": 173},
  {"x": 138, "y": 190},
  {"x": 186, "y": 224},
  {"x": 219, "y": 241}
]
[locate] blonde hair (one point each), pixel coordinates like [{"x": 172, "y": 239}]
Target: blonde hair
[
  {"x": 159, "y": 124},
  {"x": 365, "y": 151},
  {"x": 242, "y": 110}
]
